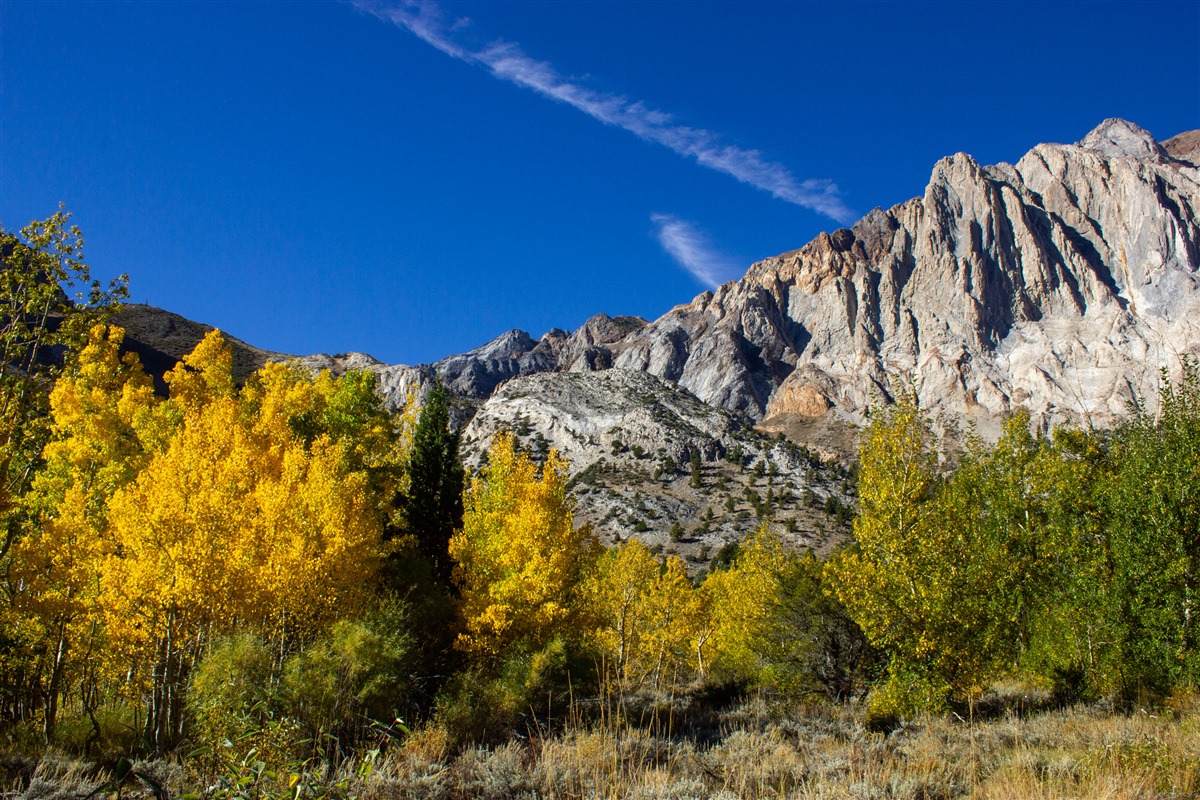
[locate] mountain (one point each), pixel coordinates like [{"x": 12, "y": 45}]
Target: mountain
[
  {"x": 649, "y": 457},
  {"x": 160, "y": 338},
  {"x": 628, "y": 436},
  {"x": 1060, "y": 285}
]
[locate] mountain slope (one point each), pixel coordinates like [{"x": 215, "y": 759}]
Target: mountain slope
[
  {"x": 160, "y": 338},
  {"x": 646, "y": 456}
]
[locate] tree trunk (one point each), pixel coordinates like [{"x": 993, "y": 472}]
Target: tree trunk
[{"x": 50, "y": 704}]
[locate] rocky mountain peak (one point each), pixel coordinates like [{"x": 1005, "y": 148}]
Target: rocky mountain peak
[
  {"x": 1060, "y": 285},
  {"x": 1185, "y": 147},
  {"x": 1118, "y": 138}
]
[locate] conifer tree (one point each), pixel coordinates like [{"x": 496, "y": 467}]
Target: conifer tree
[{"x": 432, "y": 506}]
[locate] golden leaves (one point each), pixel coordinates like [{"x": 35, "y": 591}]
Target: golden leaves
[
  {"x": 214, "y": 509},
  {"x": 645, "y": 613},
  {"x": 241, "y": 520},
  {"x": 519, "y": 556}
]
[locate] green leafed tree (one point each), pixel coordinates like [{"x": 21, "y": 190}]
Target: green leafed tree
[
  {"x": 936, "y": 576},
  {"x": 1154, "y": 535}
]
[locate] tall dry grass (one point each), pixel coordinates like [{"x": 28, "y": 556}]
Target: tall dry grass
[
  {"x": 753, "y": 751},
  {"x": 822, "y": 753}
]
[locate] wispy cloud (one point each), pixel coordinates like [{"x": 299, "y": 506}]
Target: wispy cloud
[
  {"x": 694, "y": 252},
  {"x": 508, "y": 61}
]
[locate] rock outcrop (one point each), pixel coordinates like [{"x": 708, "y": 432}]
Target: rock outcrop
[
  {"x": 1060, "y": 285},
  {"x": 582, "y": 415},
  {"x": 476, "y": 373},
  {"x": 646, "y": 456},
  {"x": 1184, "y": 147}
]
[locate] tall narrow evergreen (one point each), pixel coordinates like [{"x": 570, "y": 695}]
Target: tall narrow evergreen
[{"x": 433, "y": 506}]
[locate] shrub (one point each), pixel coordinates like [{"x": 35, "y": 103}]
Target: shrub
[
  {"x": 234, "y": 690},
  {"x": 902, "y": 696},
  {"x": 354, "y": 675},
  {"x": 486, "y": 704}
]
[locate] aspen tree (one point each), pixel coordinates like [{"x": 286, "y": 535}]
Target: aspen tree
[
  {"x": 93, "y": 451},
  {"x": 240, "y": 520},
  {"x": 519, "y": 558}
]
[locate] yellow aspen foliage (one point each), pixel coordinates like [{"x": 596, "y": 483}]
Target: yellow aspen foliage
[
  {"x": 54, "y": 567},
  {"x": 891, "y": 580},
  {"x": 155, "y": 525},
  {"x": 519, "y": 558},
  {"x": 285, "y": 401},
  {"x": 244, "y": 517},
  {"x": 881, "y": 581},
  {"x": 48, "y": 304},
  {"x": 645, "y": 612},
  {"x": 204, "y": 375},
  {"x": 741, "y": 602},
  {"x": 94, "y": 450},
  {"x": 240, "y": 519}
]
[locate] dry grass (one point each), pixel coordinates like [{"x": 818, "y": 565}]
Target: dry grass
[
  {"x": 823, "y": 754},
  {"x": 760, "y": 751}
]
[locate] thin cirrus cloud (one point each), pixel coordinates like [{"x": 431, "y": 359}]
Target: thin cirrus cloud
[
  {"x": 507, "y": 61},
  {"x": 692, "y": 250}
]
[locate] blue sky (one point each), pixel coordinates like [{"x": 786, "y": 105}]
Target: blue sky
[{"x": 412, "y": 180}]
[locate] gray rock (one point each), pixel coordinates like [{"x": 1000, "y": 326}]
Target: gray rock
[
  {"x": 1117, "y": 138},
  {"x": 1060, "y": 285},
  {"x": 476, "y": 373},
  {"x": 628, "y": 438},
  {"x": 581, "y": 414}
]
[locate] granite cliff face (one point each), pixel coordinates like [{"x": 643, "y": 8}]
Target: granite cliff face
[
  {"x": 582, "y": 415},
  {"x": 1060, "y": 284}
]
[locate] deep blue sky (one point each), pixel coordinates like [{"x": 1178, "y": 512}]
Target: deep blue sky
[{"x": 317, "y": 177}]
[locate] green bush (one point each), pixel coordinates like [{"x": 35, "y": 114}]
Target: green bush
[
  {"x": 810, "y": 642},
  {"x": 355, "y": 675},
  {"x": 903, "y": 696},
  {"x": 486, "y": 705},
  {"x": 234, "y": 689}
]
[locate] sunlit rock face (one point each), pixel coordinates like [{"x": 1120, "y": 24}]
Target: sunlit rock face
[{"x": 1060, "y": 285}]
